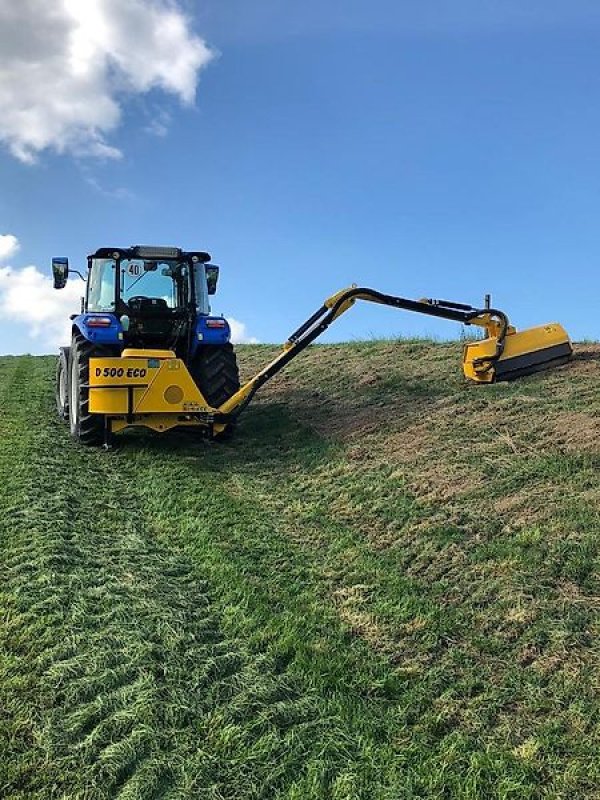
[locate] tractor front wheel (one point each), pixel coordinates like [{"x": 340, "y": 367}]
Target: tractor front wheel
[{"x": 85, "y": 427}]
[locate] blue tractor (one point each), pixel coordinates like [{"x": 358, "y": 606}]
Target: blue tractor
[{"x": 149, "y": 298}]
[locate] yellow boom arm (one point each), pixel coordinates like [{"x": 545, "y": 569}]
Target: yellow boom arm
[{"x": 502, "y": 355}]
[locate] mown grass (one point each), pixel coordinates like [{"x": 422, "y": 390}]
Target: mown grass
[{"x": 386, "y": 586}]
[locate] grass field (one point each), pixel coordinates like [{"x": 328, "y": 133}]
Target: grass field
[{"x": 385, "y": 587}]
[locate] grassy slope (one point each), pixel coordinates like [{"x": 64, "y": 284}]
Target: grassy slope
[{"x": 385, "y": 587}]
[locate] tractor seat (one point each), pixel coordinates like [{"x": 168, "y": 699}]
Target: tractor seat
[{"x": 149, "y": 307}]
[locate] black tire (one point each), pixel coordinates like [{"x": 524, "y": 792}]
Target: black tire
[
  {"x": 85, "y": 427},
  {"x": 215, "y": 372},
  {"x": 62, "y": 384}
]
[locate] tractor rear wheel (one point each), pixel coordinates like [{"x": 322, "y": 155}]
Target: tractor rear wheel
[
  {"x": 215, "y": 372},
  {"x": 85, "y": 427},
  {"x": 62, "y": 384}
]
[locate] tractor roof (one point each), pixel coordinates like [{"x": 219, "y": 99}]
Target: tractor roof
[{"x": 149, "y": 251}]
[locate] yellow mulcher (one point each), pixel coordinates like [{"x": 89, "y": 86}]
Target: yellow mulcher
[{"x": 162, "y": 361}]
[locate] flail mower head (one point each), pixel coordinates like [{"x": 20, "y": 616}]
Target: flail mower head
[
  {"x": 521, "y": 353},
  {"x": 505, "y": 353}
]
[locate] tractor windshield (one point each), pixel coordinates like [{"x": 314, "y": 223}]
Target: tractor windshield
[{"x": 161, "y": 279}]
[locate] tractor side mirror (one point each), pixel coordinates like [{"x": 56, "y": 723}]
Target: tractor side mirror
[
  {"x": 212, "y": 276},
  {"x": 60, "y": 272}
]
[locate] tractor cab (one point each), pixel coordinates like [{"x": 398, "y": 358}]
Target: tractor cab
[
  {"x": 149, "y": 296},
  {"x": 156, "y": 297}
]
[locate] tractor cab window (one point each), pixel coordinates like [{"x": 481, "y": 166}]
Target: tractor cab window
[
  {"x": 157, "y": 279},
  {"x": 101, "y": 285},
  {"x": 202, "y": 301}
]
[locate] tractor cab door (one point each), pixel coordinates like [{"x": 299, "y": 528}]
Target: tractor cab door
[{"x": 101, "y": 289}]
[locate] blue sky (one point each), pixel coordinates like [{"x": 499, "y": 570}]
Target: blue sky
[{"x": 421, "y": 148}]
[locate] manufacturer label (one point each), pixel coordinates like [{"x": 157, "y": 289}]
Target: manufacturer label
[{"x": 120, "y": 372}]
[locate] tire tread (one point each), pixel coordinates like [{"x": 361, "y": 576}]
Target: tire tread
[
  {"x": 91, "y": 426},
  {"x": 215, "y": 371}
]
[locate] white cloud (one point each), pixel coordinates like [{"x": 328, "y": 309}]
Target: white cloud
[
  {"x": 9, "y": 245},
  {"x": 239, "y": 335},
  {"x": 66, "y": 66},
  {"x": 160, "y": 119},
  {"x": 118, "y": 193},
  {"x": 28, "y": 298}
]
